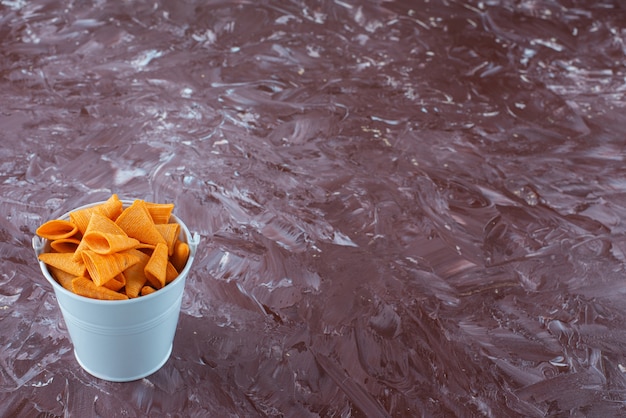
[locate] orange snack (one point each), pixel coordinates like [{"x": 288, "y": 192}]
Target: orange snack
[
  {"x": 169, "y": 232},
  {"x": 86, "y": 287},
  {"x": 80, "y": 218},
  {"x": 160, "y": 212},
  {"x": 65, "y": 262},
  {"x": 111, "y": 209},
  {"x": 146, "y": 290},
  {"x": 136, "y": 221},
  {"x": 116, "y": 283},
  {"x": 170, "y": 273},
  {"x": 83, "y": 244},
  {"x": 146, "y": 247},
  {"x": 64, "y": 278},
  {"x": 57, "y": 229},
  {"x": 135, "y": 276},
  {"x": 180, "y": 255},
  {"x": 104, "y": 267},
  {"x": 156, "y": 269},
  {"x": 65, "y": 245},
  {"x": 103, "y": 236}
]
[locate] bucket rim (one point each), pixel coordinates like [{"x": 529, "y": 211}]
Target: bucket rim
[{"x": 192, "y": 239}]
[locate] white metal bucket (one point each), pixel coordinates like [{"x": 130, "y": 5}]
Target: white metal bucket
[{"x": 122, "y": 340}]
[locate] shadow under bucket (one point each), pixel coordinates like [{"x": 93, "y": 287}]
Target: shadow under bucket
[{"x": 122, "y": 340}]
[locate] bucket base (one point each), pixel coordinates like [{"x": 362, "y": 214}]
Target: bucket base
[{"x": 124, "y": 378}]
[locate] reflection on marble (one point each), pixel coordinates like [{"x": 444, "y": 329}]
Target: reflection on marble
[{"x": 406, "y": 208}]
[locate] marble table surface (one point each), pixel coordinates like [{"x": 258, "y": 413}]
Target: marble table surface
[{"x": 406, "y": 208}]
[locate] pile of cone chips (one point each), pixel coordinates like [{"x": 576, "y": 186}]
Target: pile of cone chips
[{"x": 111, "y": 252}]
